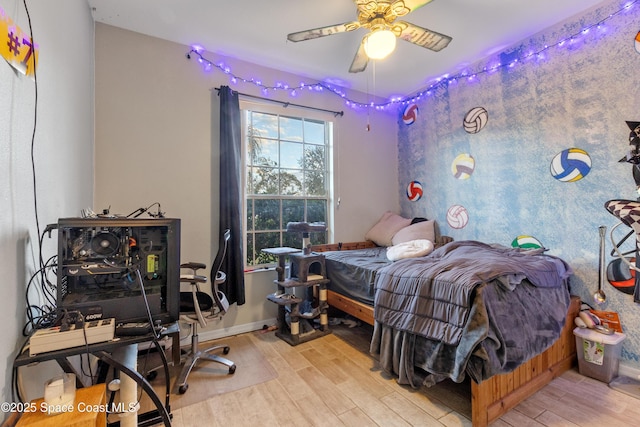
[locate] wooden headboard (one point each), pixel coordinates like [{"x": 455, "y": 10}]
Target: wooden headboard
[{"x": 350, "y": 246}]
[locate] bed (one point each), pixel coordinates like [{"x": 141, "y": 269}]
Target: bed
[{"x": 503, "y": 367}]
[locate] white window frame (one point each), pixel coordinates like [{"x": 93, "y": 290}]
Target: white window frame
[{"x": 271, "y": 108}]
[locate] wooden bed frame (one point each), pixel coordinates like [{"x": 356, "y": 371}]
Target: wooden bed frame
[{"x": 495, "y": 396}]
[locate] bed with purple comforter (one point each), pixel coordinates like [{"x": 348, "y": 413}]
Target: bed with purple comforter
[{"x": 468, "y": 308}]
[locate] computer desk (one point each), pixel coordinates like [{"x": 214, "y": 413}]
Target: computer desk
[{"x": 103, "y": 351}]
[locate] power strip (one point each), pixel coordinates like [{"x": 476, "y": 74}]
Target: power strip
[{"x": 52, "y": 339}]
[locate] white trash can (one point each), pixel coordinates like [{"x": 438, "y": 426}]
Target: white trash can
[{"x": 598, "y": 354}]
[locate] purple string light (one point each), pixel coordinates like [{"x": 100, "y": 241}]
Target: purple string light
[{"x": 445, "y": 80}]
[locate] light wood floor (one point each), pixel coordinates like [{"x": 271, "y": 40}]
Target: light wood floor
[{"x": 332, "y": 381}]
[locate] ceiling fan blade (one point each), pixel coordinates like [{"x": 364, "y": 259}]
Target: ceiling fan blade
[
  {"x": 360, "y": 61},
  {"x": 323, "y": 31},
  {"x": 421, "y": 36}
]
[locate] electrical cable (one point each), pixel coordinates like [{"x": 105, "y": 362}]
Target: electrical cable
[
  {"x": 155, "y": 334},
  {"x": 35, "y": 126},
  {"x": 15, "y": 377},
  {"x": 43, "y": 267},
  {"x": 46, "y": 312},
  {"x": 86, "y": 347},
  {"x": 146, "y": 305},
  {"x": 46, "y": 289},
  {"x": 140, "y": 211},
  {"x": 48, "y": 307}
]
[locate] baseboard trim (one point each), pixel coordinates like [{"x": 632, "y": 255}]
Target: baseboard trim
[
  {"x": 626, "y": 370},
  {"x": 234, "y": 330}
]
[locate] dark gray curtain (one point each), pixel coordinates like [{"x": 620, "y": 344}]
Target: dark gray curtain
[{"x": 231, "y": 193}]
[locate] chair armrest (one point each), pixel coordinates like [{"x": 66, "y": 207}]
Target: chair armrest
[
  {"x": 193, "y": 278},
  {"x": 193, "y": 265}
]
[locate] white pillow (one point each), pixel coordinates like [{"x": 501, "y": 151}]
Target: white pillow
[
  {"x": 410, "y": 249},
  {"x": 386, "y": 227},
  {"x": 419, "y": 230}
]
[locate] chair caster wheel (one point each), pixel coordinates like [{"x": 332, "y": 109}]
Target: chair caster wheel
[
  {"x": 232, "y": 369},
  {"x": 183, "y": 389},
  {"x": 226, "y": 350},
  {"x": 152, "y": 376}
]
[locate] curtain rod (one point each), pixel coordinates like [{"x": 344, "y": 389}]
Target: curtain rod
[{"x": 287, "y": 104}]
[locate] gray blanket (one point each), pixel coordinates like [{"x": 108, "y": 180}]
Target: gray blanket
[
  {"x": 468, "y": 308},
  {"x": 353, "y": 272}
]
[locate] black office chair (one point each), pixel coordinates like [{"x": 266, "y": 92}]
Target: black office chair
[{"x": 196, "y": 307}]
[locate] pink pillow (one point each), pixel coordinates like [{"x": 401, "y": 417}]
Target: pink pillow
[
  {"x": 387, "y": 226},
  {"x": 420, "y": 230}
]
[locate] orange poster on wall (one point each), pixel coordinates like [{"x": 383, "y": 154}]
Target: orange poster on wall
[{"x": 16, "y": 46}]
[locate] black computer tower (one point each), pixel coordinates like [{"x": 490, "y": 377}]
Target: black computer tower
[{"x": 102, "y": 263}]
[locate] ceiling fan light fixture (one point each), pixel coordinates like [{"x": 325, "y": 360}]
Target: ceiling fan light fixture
[{"x": 379, "y": 44}]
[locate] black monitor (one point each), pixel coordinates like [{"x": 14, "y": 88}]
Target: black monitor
[{"x": 101, "y": 262}]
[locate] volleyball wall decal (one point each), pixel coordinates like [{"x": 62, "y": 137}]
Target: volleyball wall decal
[
  {"x": 526, "y": 242},
  {"x": 414, "y": 191},
  {"x": 475, "y": 120},
  {"x": 457, "y": 216},
  {"x": 410, "y": 114},
  {"x": 570, "y": 165},
  {"x": 462, "y": 166}
]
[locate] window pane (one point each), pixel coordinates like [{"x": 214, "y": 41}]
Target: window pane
[
  {"x": 314, "y": 157},
  {"x": 265, "y": 124},
  {"x": 291, "y": 129},
  {"x": 249, "y": 181},
  {"x": 254, "y": 144},
  {"x": 266, "y": 240},
  {"x": 264, "y": 181},
  {"x": 250, "y": 249},
  {"x": 314, "y": 131},
  {"x": 314, "y": 183},
  {"x": 291, "y": 155},
  {"x": 315, "y": 162},
  {"x": 266, "y": 152},
  {"x": 292, "y": 211},
  {"x": 318, "y": 238},
  {"x": 267, "y": 214},
  {"x": 291, "y": 183},
  {"x": 317, "y": 211},
  {"x": 292, "y": 240},
  {"x": 250, "y": 215}
]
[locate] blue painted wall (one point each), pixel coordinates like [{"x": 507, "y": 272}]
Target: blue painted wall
[{"x": 577, "y": 94}]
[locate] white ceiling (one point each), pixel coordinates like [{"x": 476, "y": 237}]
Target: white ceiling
[{"x": 256, "y": 31}]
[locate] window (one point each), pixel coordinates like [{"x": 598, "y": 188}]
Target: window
[{"x": 286, "y": 180}]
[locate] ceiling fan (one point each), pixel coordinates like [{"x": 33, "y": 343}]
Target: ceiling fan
[{"x": 380, "y": 18}]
